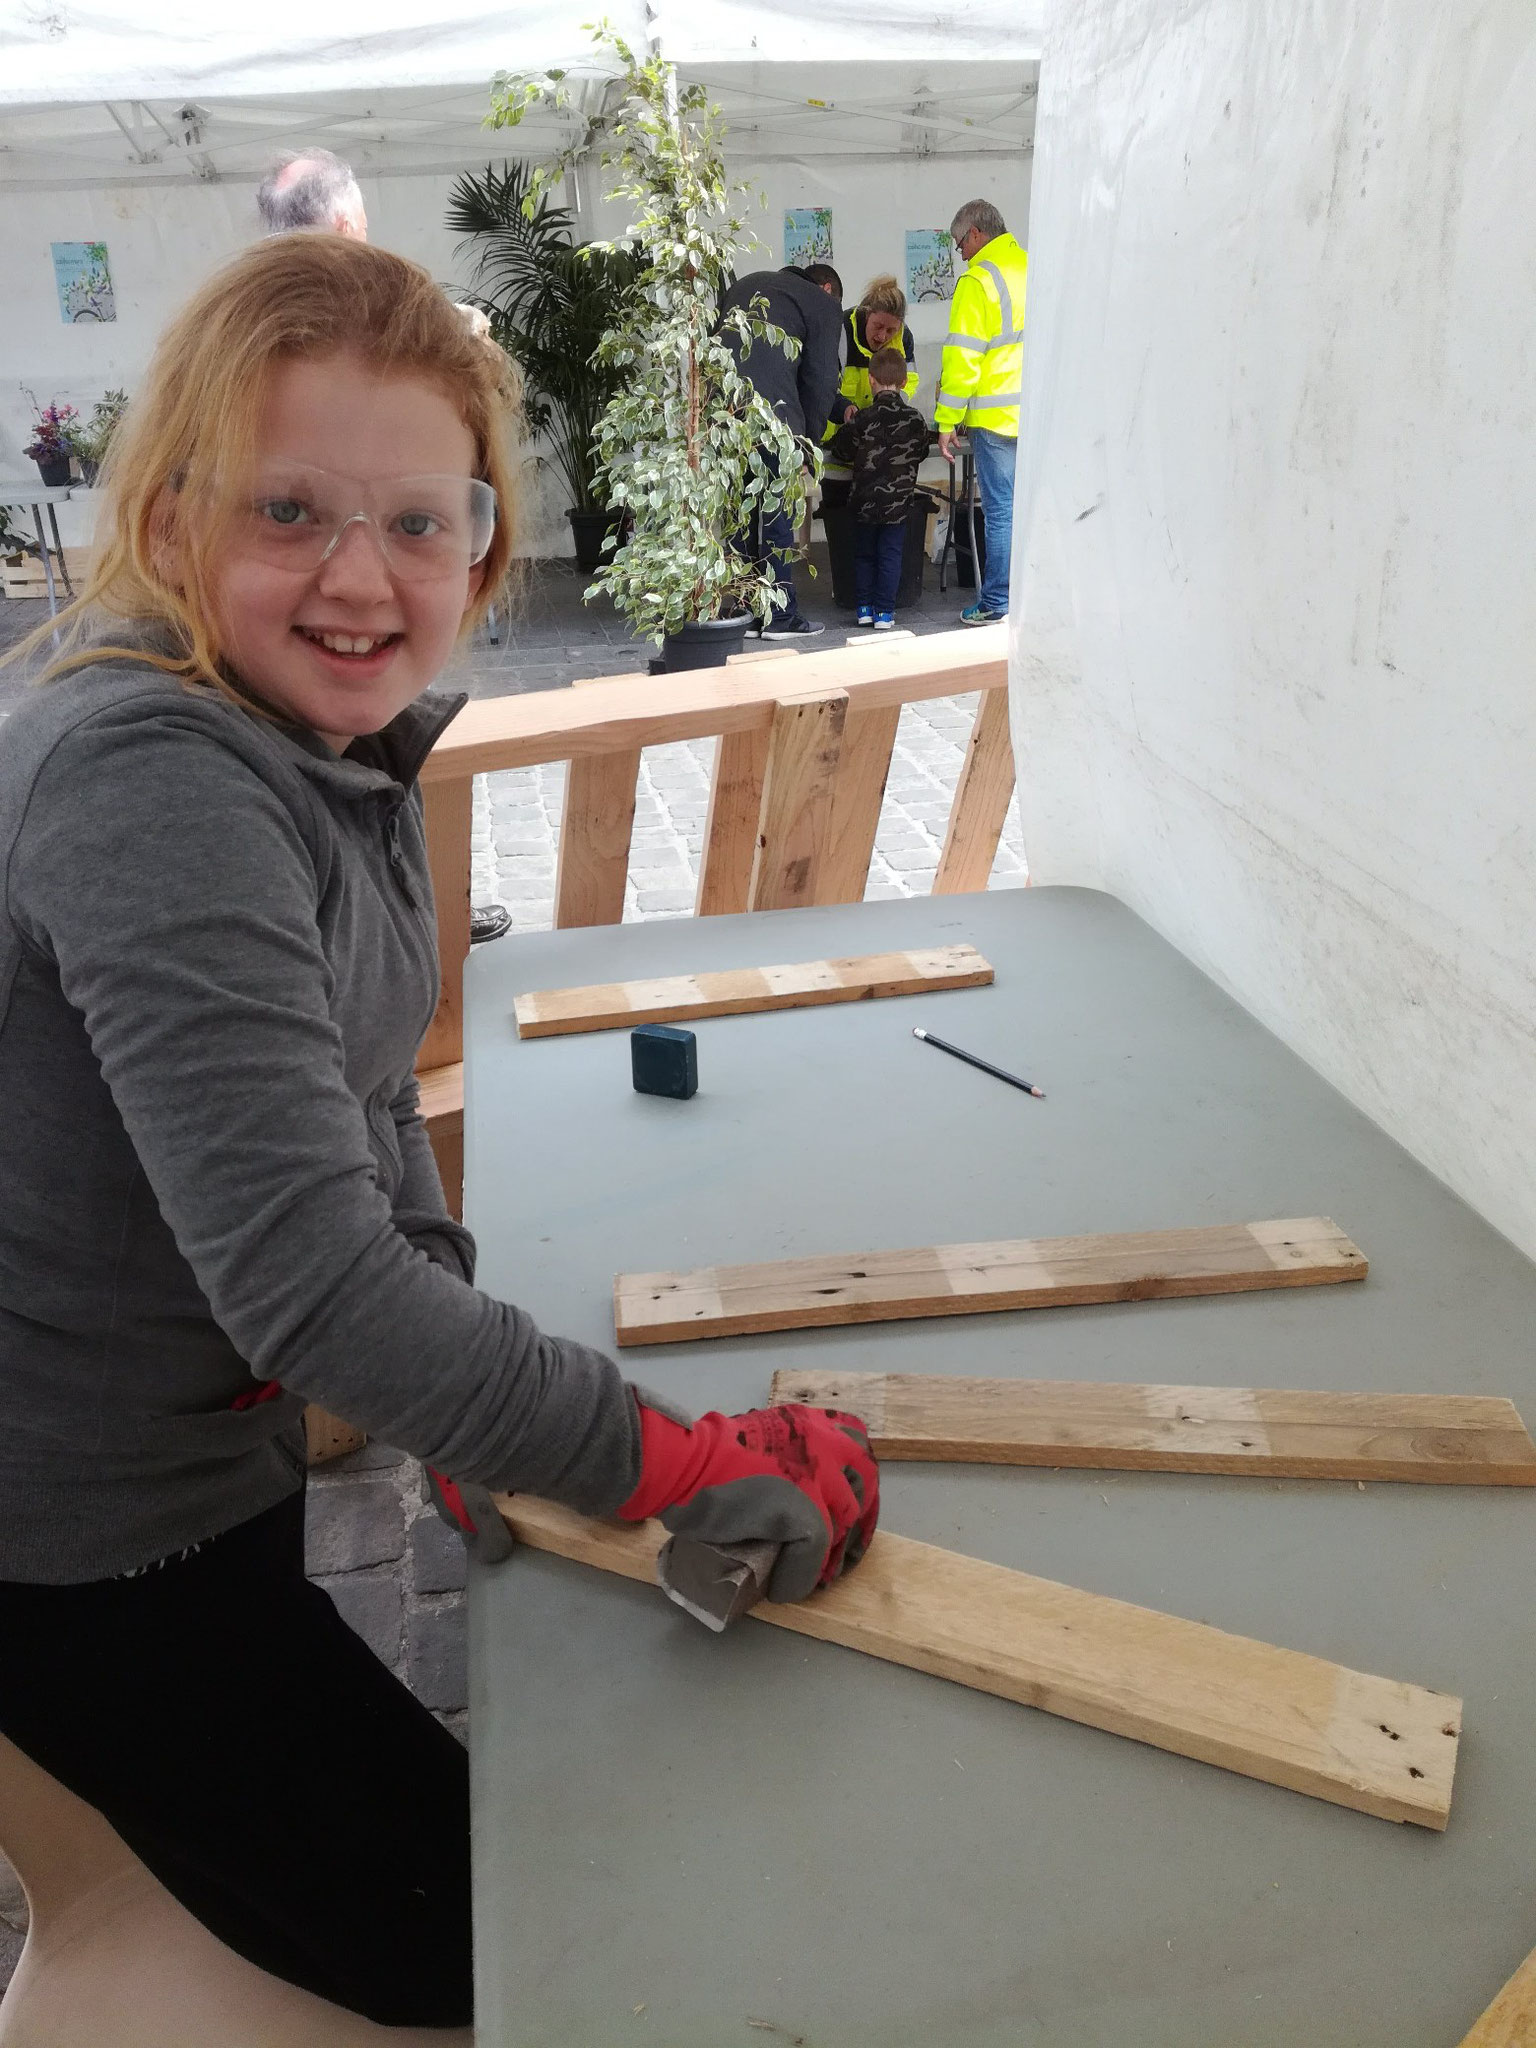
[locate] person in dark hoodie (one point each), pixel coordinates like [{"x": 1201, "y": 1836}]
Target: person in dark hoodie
[
  {"x": 218, "y": 956},
  {"x": 807, "y": 305}
]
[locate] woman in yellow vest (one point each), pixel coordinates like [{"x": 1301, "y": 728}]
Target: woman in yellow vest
[
  {"x": 981, "y": 383},
  {"x": 877, "y": 321}
]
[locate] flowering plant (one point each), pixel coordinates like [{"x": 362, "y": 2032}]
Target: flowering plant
[{"x": 53, "y": 435}]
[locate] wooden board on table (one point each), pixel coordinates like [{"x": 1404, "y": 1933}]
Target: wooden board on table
[
  {"x": 1374, "y": 1744},
  {"x": 968, "y": 1279},
  {"x": 614, "y": 1006},
  {"x": 1447, "y": 1439},
  {"x": 1510, "y": 2022}
]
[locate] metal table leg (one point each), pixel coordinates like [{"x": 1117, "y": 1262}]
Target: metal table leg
[
  {"x": 42, "y": 544},
  {"x": 58, "y": 546}
]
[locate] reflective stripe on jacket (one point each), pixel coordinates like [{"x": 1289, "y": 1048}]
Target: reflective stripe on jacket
[
  {"x": 854, "y": 389},
  {"x": 982, "y": 379}
]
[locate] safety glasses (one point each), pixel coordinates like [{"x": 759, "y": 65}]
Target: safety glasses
[{"x": 426, "y": 527}]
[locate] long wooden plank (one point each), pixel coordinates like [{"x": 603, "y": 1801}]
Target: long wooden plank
[
  {"x": 795, "y": 825},
  {"x": 1510, "y": 2022},
  {"x": 982, "y": 796},
  {"x": 1374, "y": 1744},
  {"x": 1446, "y": 1439},
  {"x": 644, "y": 711},
  {"x": 449, "y": 811},
  {"x": 971, "y": 1279},
  {"x": 675, "y": 998},
  {"x": 442, "y": 1111},
  {"x": 596, "y": 824},
  {"x": 858, "y": 791},
  {"x": 730, "y": 831}
]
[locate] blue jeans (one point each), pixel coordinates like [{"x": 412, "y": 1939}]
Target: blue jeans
[
  {"x": 877, "y": 553},
  {"x": 995, "y": 458}
]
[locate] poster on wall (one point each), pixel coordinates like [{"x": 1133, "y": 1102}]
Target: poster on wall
[
  {"x": 84, "y": 282},
  {"x": 930, "y": 264},
  {"x": 808, "y": 234}
]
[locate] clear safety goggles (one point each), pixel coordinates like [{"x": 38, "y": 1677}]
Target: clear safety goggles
[{"x": 293, "y": 516}]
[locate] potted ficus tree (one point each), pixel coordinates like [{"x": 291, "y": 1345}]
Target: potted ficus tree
[
  {"x": 685, "y": 444},
  {"x": 549, "y": 302},
  {"x": 94, "y": 439}
]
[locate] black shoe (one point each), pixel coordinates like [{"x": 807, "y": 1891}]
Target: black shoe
[
  {"x": 489, "y": 921},
  {"x": 792, "y": 629}
]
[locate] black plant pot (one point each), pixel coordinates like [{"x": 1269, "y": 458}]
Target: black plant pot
[
  {"x": 589, "y": 530},
  {"x": 705, "y": 643},
  {"x": 53, "y": 473}
]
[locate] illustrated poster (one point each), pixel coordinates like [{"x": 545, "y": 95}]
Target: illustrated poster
[
  {"x": 84, "y": 282},
  {"x": 930, "y": 264},
  {"x": 808, "y": 234}
]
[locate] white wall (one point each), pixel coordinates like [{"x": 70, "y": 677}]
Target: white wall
[{"x": 1275, "y": 650}]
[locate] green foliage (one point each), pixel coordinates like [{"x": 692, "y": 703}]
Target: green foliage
[
  {"x": 686, "y": 444},
  {"x": 550, "y": 301},
  {"x": 94, "y": 439}
]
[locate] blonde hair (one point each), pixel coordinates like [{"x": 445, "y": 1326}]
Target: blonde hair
[
  {"x": 884, "y": 295},
  {"x": 190, "y": 433}
]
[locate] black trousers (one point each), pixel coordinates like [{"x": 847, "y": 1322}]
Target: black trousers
[{"x": 257, "y": 1756}]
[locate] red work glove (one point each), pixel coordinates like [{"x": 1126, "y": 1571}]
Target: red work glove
[
  {"x": 804, "y": 1478},
  {"x": 471, "y": 1511}
]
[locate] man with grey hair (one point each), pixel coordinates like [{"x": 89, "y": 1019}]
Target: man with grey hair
[
  {"x": 312, "y": 189},
  {"x": 982, "y": 381}
]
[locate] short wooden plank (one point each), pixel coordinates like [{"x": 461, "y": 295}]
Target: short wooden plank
[
  {"x": 982, "y": 796},
  {"x": 795, "y": 823},
  {"x": 858, "y": 791},
  {"x": 970, "y": 1279},
  {"x": 449, "y": 808},
  {"x": 1445, "y": 1439},
  {"x": 643, "y": 711},
  {"x": 1374, "y": 1744},
  {"x": 614, "y": 1006},
  {"x": 762, "y": 654},
  {"x": 326, "y": 1436},
  {"x": 730, "y": 831},
  {"x": 597, "y": 822},
  {"x": 1510, "y": 2022}
]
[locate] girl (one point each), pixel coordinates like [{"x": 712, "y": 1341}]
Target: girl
[{"x": 217, "y": 1199}]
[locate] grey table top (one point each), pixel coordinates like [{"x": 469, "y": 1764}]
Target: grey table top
[
  {"x": 676, "y": 1833},
  {"x": 18, "y": 491}
]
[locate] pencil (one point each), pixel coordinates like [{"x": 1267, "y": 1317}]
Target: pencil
[{"x": 972, "y": 1060}]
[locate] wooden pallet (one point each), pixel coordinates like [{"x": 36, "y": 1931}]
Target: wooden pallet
[
  {"x": 966, "y": 1279},
  {"x": 1510, "y": 2022},
  {"x": 1374, "y": 1744},
  {"x": 1445, "y": 1439},
  {"x": 679, "y": 998}
]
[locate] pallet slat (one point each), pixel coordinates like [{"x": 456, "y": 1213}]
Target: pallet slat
[
  {"x": 597, "y": 822},
  {"x": 1446, "y": 1439},
  {"x": 794, "y": 830},
  {"x": 969, "y": 1279},
  {"x": 808, "y": 984},
  {"x": 1374, "y": 1744},
  {"x": 1510, "y": 2022},
  {"x": 982, "y": 797}
]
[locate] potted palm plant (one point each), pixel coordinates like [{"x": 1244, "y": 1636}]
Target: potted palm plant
[
  {"x": 686, "y": 446},
  {"x": 550, "y": 301}
]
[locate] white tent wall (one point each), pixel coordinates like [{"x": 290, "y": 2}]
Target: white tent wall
[{"x": 1274, "y": 610}]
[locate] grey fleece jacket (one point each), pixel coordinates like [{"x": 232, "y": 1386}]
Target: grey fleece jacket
[{"x": 217, "y": 961}]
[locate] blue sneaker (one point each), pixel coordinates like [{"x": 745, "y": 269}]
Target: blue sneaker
[
  {"x": 884, "y": 621},
  {"x": 865, "y": 616},
  {"x": 978, "y": 615}
]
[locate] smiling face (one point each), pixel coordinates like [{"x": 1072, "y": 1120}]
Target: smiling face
[
  {"x": 881, "y": 329},
  {"x": 344, "y": 646}
]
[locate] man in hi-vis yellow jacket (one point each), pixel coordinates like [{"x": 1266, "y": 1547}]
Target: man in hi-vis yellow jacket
[{"x": 982, "y": 381}]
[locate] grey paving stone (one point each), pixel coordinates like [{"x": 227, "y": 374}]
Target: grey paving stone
[
  {"x": 437, "y": 1655},
  {"x": 12, "y": 1941},
  {"x": 673, "y": 904},
  {"x": 908, "y": 860},
  {"x": 13, "y": 1900},
  {"x": 348, "y": 1527},
  {"x": 372, "y": 1606},
  {"x": 439, "y": 1563}
]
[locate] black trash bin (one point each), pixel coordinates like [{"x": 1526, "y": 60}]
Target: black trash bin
[
  {"x": 965, "y": 569},
  {"x": 839, "y": 525}
]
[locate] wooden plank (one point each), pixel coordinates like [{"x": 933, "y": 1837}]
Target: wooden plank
[
  {"x": 597, "y": 822},
  {"x": 1447, "y": 1439},
  {"x": 449, "y": 810},
  {"x": 795, "y": 823},
  {"x": 858, "y": 791},
  {"x": 1510, "y": 2022},
  {"x": 442, "y": 1111},
  {"x": 730, "y": 831},
  {"x": 615, "y": 1006},
  {"x": 762, "y": 654},
  {"x": 641, "y": 711},
  {"x": 971, "y": 1279},
  {"x": 982, "y": 796},
  {"x": 1374, "y": 1744},
  {"x": 326, "y": 1436}
]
